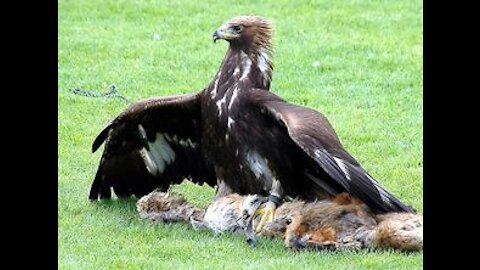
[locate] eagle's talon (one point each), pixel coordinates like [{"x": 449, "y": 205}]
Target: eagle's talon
[{"x": 267, "y": 214}]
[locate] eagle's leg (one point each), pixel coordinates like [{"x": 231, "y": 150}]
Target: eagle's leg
[
  {"x": 222, "y": 189},
  {"x": 267, "y": 212}
]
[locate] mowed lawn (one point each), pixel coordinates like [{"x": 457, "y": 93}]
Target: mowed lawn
[{"x": 358, "y": 62}]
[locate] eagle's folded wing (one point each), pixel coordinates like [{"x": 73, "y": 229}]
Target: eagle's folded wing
[{"x": 314, "y": 135}]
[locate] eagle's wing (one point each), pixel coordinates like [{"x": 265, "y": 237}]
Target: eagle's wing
[
  {"x": 314, "y": 135},
  {"x": 153, "y": 143}
]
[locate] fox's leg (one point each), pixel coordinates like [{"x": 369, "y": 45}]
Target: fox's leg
[
  {"x": 403, "y": 231},
  {"x": 275, "y": 228},
  {"x": 222, "y": 189},
  {"x": 197, "y": 224},
  {"x": 320, "y": 238},
  {"x": 317, "y": 239}
]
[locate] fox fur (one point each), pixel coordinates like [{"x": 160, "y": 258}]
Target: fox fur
[{"x": 342, "y": 223}]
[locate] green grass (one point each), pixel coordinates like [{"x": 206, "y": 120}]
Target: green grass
[{"x": 368, "y": 83}]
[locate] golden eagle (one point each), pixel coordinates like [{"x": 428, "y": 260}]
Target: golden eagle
[{"x": 234, "y": 134}]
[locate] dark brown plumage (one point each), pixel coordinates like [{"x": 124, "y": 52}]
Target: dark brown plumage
[{"x": 234, "y": 134}]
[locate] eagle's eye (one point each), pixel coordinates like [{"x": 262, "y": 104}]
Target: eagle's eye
[{"x": 237, "y": 28}]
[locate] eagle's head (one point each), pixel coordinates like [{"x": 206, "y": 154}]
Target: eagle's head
[
  {"x": 246, "y": 32},
  {"x": 249, "y": 36}
]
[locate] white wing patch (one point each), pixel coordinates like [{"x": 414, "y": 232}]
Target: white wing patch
[
  {"x": 383, "y": 194},
  {"x": 230, "y": 122},
  {"x": 234, "y": 96},
  {"x": 159, "y": 156},
  {"x": 247, "y": 64},
  {"x": 236, "y": 71},
  {"x": 149, "y": 163},
  {"x": 184, "y": 143},
  {"x": 262, "y": 61},
  {"x": 220, "y": 103},
  {"x": 188, "y": 143},
  {"x": 342, "y": 166},
  {"x": 215, "y": 86},
  {"x": 161, "y": 151},
  {"x": 259, "y": 166}
]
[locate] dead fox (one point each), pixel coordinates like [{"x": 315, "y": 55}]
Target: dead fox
[
  {"x": 343, "y": 223},
  {"x": 223, "y": 214}
]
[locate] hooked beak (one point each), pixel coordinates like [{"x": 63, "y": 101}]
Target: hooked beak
[
  {"x": 223, "y": 32},
  {"x": 216, "y": 36}
]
